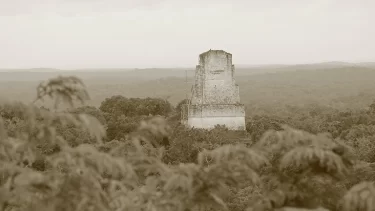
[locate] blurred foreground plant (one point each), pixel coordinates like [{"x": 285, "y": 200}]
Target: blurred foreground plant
[
  {"x": 303, "y": 167},
  {"x": 287, "y": 168},
  {"x": 127, "y": 176}
]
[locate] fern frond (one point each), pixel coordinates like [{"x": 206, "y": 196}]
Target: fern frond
[
  {"x": 233, "y": 164},
  {"x": 359, "y": 197},
  {"x": 17, "y": 151},
  {"x": 239, "y": 153},
  {"x": 317, "y": 159},
  {"x": 93, "y": 126},
  {"x": 66, "y": 89},
  {"x": 182, "y": 179},
  {"x": 279, "y": 142},
  {"x": 88, "y": 157}
]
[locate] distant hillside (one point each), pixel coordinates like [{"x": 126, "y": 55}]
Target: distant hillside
[
  {"x": 92, "y": 74},
  {"x": 131, "y": 74},
  {"x": 347, "y": 87},
  {"x": 312, "y": 66},
  {"x": 367, "y": 64}
]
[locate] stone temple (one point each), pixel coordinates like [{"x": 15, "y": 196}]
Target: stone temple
[{"x": 215, "y": 98}]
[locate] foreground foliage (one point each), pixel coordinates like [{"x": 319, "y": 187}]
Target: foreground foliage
[{"x": 45, "y": 165}]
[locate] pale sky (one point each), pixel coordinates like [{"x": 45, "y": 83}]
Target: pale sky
[{"x": 172, "y": 33}]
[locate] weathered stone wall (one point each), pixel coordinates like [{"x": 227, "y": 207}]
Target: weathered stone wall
[
  {"x": 197, "y": 89},
  {"x": 220, "y": 110},
  {"x": 217, "y": 65},
  {"x": 232, "y": 123},
  {"x": 215, "y": 94},
  {"x": 220, "y": 92},
  {"x": 214, "y": 79}
]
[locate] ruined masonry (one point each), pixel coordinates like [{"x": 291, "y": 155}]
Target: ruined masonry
[{"x": 215, "y": 98}]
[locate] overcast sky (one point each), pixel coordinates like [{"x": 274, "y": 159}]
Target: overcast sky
[{"x": 172, "y": 33}]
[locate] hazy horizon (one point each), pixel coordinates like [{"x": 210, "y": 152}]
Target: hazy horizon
[
  {"x": 189, "y": 67},
  {"x": 171, "y": 34}
]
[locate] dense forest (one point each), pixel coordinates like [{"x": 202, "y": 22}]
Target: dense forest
[
  {"x": 131, "y": 153},
  {"x": 260, "y": 89}
]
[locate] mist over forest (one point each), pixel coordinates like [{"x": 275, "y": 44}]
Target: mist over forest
[
  {"x": 308, "y": 142},
  {"x": 338, "y": 84}
]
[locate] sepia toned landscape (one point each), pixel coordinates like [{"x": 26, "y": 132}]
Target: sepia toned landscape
[
  {"x": 187, "y": 105},
  {"x": 301, "y": 102}
]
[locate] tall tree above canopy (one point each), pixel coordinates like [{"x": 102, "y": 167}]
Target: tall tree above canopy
[{"x": 119, "y": 105}]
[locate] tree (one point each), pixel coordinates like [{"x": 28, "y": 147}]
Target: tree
[
  {"x": 123, "y": 114},
  {"x": 285, "y": 168},
  {"x": 82, "y": 177},
  {"x": 119, "y": 105}
]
